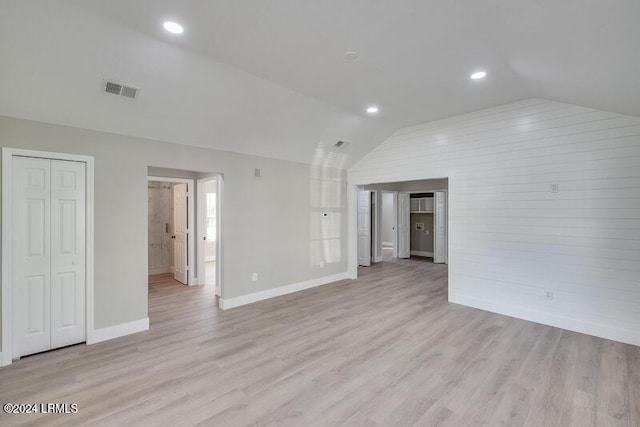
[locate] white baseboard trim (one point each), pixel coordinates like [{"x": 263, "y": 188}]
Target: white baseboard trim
[
  {"x": 160, "y": 270},
  {"x": 279, "y": 291},
  {"x": 596, "y": 329},
  {"x": 378, "y": 259},
  {"x": 120, "y": 330},
  {"x": 3, "y": 362},
  {"x": 422, "y": 253}
]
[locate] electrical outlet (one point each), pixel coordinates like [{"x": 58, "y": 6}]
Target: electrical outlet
[
  {"x": 254, "y": 277},
  {"x": 548, "y": 294},
  {"x": 554, "y": 188}
]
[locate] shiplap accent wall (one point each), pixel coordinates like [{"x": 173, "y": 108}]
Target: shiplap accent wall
[{"x": 511, "y": 238}]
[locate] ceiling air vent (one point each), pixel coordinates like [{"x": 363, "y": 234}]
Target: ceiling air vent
[
  {"x": 120, "y": 89},
  {"x": 341, "y": 144}
]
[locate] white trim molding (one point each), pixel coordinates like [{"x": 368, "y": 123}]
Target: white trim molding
[
  {"x": 119, "y": 330},
  {"x": 279, "y": 291},
  {"x": 568, "y": 323},
  {"x": 7, "y": 162},
  {"x": 422, "y": 253},
  {"x": 160, "y": 270}
]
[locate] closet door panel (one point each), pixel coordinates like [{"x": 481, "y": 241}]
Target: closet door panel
[
  {"x": 68, "y": 263},
  {"x": 404, "y": 226},
  {"x": 364, "y": 228},
  {"x": 440, "y": 236},
  {"x": 30, "y": 257}
]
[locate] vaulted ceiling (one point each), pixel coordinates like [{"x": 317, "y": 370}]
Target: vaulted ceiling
[{"x": 269, "y": 78}]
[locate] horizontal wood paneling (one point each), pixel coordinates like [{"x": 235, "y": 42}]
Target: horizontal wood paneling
[{"x": 511, "y": 237}]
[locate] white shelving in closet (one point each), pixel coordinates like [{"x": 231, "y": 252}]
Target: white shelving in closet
[{"x": 422, "y": 205}]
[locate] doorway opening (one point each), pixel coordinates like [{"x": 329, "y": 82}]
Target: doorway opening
[
  {"x": 171, "y": 228},
  {"x": 408, "y": 220},
  {"x": 185, "y": 229}
]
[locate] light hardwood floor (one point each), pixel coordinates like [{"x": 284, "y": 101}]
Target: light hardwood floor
[{"x": 384, "y": 350}]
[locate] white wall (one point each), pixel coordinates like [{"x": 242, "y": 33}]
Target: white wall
[
  {"x": 510, "y": 237},
  {"x": 273, "y": 225}
]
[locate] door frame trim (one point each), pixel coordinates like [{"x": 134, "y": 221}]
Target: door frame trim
[
  {"x": 191, "y": 219},
  {"x": 7, "y": 169},
  {"x": 202, "y": 216}
]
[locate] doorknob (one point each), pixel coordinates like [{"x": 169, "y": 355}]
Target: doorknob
[{"x": 204, "y": 237}]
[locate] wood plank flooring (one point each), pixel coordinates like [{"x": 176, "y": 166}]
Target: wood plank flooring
[{"x": 385, "y": 350}]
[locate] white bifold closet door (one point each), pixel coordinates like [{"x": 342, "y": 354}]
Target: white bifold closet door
[
  {"x": 48, "y": 254},
  {"x": 404, "y": 225},
  {"x": 440, "y": 233},
  {"x": 364, "y": 228}
]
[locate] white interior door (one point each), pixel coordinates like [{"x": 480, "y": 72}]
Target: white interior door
[
  {"x": 68, "y": 211},
  {"x": 440, "y": 232},
  {"x": 48, "y": 254},
  {"x": 31, "y": 255},
  {"x": 208, "y": 229},
  {"x": 395, "y": 224},
  {"x": 404, "y": 228},
  {"x": 211, "y": 237},
  {"x": 364, "y": 228},
  {"x": 180, "y": 233}
]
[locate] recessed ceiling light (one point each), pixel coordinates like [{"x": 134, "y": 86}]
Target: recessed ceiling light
[
  {"x": 373, "y": 109},
  {"x": 172, "y": 27},
  {"x": 478, "y": 75},
  {"x": 350, "y": 55}
]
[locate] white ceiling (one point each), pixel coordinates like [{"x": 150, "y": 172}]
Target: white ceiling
[
  {"x": 55, "y": 56},
  {"x": 415, "y": 55},
  {"x": 415, "y": 58}
]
